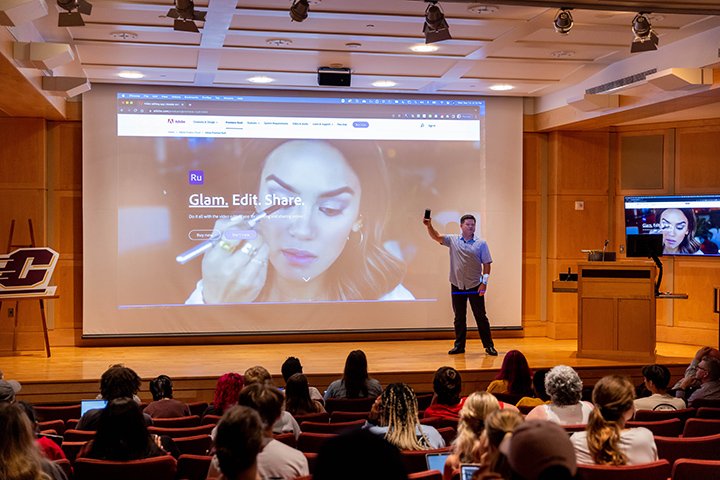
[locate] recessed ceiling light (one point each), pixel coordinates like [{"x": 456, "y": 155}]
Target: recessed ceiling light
[
  {"x": 501, "y": 87},
  {"x": 424, "y": 48},
  {"x": 279, "y": 42},
  {"x": 384, "y": 83},
  {"x": 483, "y": 9},
  {"x": 131, "y": 74},
  {"x": 261, "y": 79}
]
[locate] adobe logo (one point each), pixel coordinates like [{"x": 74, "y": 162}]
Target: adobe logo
[{"x": 196, "y": 177}]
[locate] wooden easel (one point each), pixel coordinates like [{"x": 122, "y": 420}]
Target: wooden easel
[{"x": 10, "y": 247}]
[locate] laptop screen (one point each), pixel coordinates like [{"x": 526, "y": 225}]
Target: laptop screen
[
  {"x": 86, "y": 405},
  {"x": 436, "y": 461}
]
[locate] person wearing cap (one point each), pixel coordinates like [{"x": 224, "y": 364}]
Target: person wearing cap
[
  {"x": 540, "y": 450},
  {"x": 8, "y": 389}
]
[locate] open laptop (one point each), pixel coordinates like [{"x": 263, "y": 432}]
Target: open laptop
[
  {"x": 436, "y": 461},
  {"x": 86, "y": 405}
]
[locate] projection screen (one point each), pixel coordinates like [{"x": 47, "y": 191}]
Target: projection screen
[{"x": 210, "y": 211}]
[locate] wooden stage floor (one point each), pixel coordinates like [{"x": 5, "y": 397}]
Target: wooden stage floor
[{"x": 72, "y": 373}]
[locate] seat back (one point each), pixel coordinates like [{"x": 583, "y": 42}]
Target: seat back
[
  {"x": 155, "y": 468},
  {"x": 448, "y": 434},
  {"x": 349, "y": 404},
  {"x": 287, "y": 438},
  {"x": 426, "y": 475},
  {"x": 706, "y": 402},
  {"x": 45, "y": 413},
  {"x": 195, "y": 445},
  {"x": 57, "y": 425},
  {"x": 424, "y": 400},
  {"x": 708, "y": 412},
  {"x": 320, "y": 417},
  {"x": 510, "y": 398},
  {"x": 414, "y": 460},
  {"x": 701, "y": 427},
  {"x": 214, "y": 419},
  {"x": 193, "y": 467},
  {"x": 579, "y": 427},
  {"x": 71, "y": 449},
  {"x": 699, "y": 448},
  {"x": 340, "y": 416},
  {"x": 182, "y": 432},
  {"x": 312, "y": 460},
  {"x": 671, "y": 427},
  {"x": 78, "y": 435},
  {"x": 197, "y": 408},
  {"x": 338, "y": 427},
  {"x": 311, "y": 442},
  {"x": 657, "y": 415},
  {"x": 686, "y": 469},
  {"x": 659, "y": 470},
  {"x": 177, "y": 422}
]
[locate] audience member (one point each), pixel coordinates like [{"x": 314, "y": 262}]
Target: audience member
[
  {"x": 707, "y": 374},
  {"x": 20, "y": 458},
  {"x": 227, "y": 390},
  {"x": 359, "y": 455},
  {"x": 290, "y": 367},
  {"x": 257, "y": 374},
  {"x": 691, "y": 369},
  {"x": 499, "y": 426},
  {"x": 122, "y": 434},
  {"x": 606, "y": 441},
  {"x": 467, "y": 447},
  {"x": 540, "y": 450},
  {"x": 514, "y": 376},
  {"x": 446, "y": 401},
  {"x": 238, "y": 442},
  {"x": 657, "y": 378},
  {"x": 286, "y": 423},
  {"x": 117, "y": 381},
  {"x": 277, "y": 460},
  {"x": 48, "y": 447},
  {"x": 163, "y": 404},
  {"x": 564, "y": 386},
  {"x": 297, "y": 397},
  {"x": 394, "y": 415},
  {"x": 8, "y": 389},
  {"x": 540, "y": 396},
  {"x": 355, "y": 383}
]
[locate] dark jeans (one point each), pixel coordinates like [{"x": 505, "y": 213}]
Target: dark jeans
[{"x": 477, "y": 303}]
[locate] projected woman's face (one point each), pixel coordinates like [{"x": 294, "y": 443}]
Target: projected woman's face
[
  {"x": 674, "y": 228},
  {"x": 306, "y": 239}
]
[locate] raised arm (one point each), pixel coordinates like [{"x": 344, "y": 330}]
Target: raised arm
[{"x": 432, "y": 232}]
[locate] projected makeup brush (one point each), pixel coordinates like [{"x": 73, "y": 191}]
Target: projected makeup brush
[{"x": 202, "y": 247}]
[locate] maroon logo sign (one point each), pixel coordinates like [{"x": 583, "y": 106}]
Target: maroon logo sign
[{"x": 27, "y": 271}]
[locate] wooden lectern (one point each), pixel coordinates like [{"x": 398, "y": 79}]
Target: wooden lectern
[{"x": 616, "y": 310}]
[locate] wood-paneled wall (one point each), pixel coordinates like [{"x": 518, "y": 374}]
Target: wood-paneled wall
[
  {"x": 596, "y": 168},
  {"x": 41, "y": 179}
]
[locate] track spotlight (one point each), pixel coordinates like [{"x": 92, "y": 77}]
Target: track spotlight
[
  {"x": 299, "y": 10},
  {"x": 436, "y": 28},
  {"x": 645, "y": 38},
  {"x": 185, "y": 16},
  {"x": 563, "y": 21},
  {"x": 72, "y": 18}
]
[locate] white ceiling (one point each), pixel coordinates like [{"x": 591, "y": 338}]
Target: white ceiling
[{"x": 510, "y": 44}]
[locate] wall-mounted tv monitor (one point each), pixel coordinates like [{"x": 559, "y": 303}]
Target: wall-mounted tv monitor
[{"x": 689, "y": 224}]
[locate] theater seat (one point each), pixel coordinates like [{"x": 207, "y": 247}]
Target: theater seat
[
  {"x": 155, "y": 468},
  {"x": 701, "y": 427},
  {"x": 671, "y": 427},
  {"x": 699, "y": 448},
  {"x": 177, "y": 422},
  {"x": 686, "y": 469},
  {"x": 193, "y": 467},
  {"x": 414, "y": 460},
  {"x": 659, "y": 470}
]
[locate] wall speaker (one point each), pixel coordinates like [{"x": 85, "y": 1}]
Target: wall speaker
[{"x": 334, "y": 77}]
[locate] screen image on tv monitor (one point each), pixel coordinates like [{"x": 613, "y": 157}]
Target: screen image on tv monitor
[{"x": 689, "y": 224}]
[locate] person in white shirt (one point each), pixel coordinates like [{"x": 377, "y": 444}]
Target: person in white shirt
[
  {"x": 606, "y": 441},
  {"x": 564, "y": 386},
  {"x": 657, "y": 378}
]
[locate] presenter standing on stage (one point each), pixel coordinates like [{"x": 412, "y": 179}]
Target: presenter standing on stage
[{"x": 469, "y": 273}]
